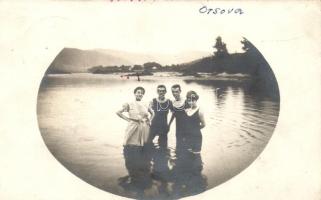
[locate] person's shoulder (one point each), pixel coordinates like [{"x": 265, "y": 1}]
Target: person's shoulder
[
  {"x": 145, "y": 103},
  {"x": 152, "y": 101},
  {"x": 126, "y": 105},
  {"x": 200, "y": 110}
]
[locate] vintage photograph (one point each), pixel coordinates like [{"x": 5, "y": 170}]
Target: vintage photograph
[{"x": 158, "y": 126}]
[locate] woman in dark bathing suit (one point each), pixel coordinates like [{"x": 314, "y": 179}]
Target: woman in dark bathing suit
[
  {"x": 194, "y": 123},
  {"x": 187, "y": 172}
]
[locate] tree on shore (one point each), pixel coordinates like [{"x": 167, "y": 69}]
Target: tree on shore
[
  {"x": 152, "y": 66},
  {"x": 220, "y": 47},
  {"x": 247, "y": 46}
]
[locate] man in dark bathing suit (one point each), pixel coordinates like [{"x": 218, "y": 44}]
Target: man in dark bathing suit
[
  {"x": 159, "y": 127},
  {"x": 179, "y": 105},
  {"x": 161, "y": 107}
]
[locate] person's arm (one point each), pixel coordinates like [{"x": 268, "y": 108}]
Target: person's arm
[
  {"x": 202, "y": 119},
  {"x": 150, "y": 105},
  {"x": 171, "y": 108},
  {"x": 121, "y": 115},
  {"x": 152, "y": 114},
  {"x": 171, "y": 120}
]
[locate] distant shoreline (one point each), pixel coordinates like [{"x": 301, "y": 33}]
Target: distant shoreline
[{"x": 202, "y": 76}]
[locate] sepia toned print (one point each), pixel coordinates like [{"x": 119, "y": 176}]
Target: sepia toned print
[{"x": 154, "y": 130}]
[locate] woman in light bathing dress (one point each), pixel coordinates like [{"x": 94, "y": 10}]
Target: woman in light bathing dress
[
  {"x": 194, "y": 123},
  {"x": 136, "y": 137}
]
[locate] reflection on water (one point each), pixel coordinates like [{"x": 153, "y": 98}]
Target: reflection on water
[
  {"x": 163, "y": 179},
  {"x": 76, "y": 115},
  {"x": 187, "y": 174}
]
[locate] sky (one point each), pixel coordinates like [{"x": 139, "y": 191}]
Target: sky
[
  {"x": 138, "y": 29},
  {"x": 142, "y": 28}
]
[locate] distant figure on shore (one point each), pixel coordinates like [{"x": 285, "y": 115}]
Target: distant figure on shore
[
  {"x": 217, "y": 92},
  {"x": 136, "y": 137}
]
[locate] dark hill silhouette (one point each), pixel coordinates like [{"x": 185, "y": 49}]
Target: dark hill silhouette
[
  {"x": 263, "y": 77},
  {"x": 231, "y": 63},
  {"x": 250, "y": 62},
  {"x": 72, "y": 60},
  {"x": 76, "y": 60},
  {"x": 161, "y": 58}
]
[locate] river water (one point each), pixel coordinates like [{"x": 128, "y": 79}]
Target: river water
[{"x": 78, "y": 122}]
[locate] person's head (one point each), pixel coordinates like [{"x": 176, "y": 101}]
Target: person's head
[
  {"x": 176, "y": 91},
  {"x": 161, "y": 91},
  {"x": 191, "y": 98},
  {"x": 139, "y": 93}
]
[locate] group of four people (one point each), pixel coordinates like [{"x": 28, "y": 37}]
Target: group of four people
[{"x": 145, "y": 122}]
